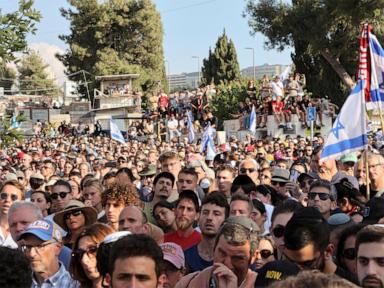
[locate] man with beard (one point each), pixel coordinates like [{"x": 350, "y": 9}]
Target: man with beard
[
  {"x": 187, "y": 212},
  {"x": 214, "y": 210},
  {"x": 370, "y": 256},
  {"x": 234, "y": 251},
  {"x": 162, "y": 190}
]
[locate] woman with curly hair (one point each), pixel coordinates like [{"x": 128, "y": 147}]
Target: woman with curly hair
[
  {"x": 83, "y": 266},
  {"x": 115, "y": 198}
]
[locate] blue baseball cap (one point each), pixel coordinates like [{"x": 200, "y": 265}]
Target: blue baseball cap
[{"x": 43, "y": 229}]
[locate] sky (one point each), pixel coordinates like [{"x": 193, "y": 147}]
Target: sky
[{"x": 191, "y": 27}]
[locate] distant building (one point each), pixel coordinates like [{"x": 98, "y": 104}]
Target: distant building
[
  {"x": 183, "y": 80},
  {"x": 260, "y": 71}
]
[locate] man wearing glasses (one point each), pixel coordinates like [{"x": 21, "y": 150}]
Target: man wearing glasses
[
  {"x": 41, "y": 243},
  {"x": 376, "y": 172},
  {"x": 61, "y": 195},
  {"x": 250, "y": 168},
  {"x": 48, "y": 169},
  {"x": 322, "y": 197}
]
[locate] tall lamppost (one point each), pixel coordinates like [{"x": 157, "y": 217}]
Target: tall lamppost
[
  {"x": 253, "y": 63},
  {"x": 168, "y": 76},
  {"x": 198, "y": 69}
]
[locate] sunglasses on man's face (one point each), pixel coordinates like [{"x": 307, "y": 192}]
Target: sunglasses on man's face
[
  {"x": 349, "y": 253},
  {"x": 265, "y": 254},
  {"x": 245, "y": 170},
  {"x": 323, "y": 196},
  {"x": 281, "y": 184},
  {"x": 278, "y": 231},
  {"x": 56, "y": 196}
]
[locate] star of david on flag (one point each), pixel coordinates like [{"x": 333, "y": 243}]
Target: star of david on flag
[
  {"x": 348, "y": 133},
  {"x": 115, "y": 132}
]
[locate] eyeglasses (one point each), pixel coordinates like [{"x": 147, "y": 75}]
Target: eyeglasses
[
  {"x": 281, "y": 184},
  {"x": 265, "y": 253},
  {"x": 373, "y": 166},
  {"x": 245, "y": 170},
  {"x": 79, "y": 253},
  {"x": 28, "y": 248},
  {"x": 278, "y": 231},
  {"x": 56, "y": 196},
  {"x": 73, "y": 213},
  {"x": 306, "y": 182},
  {"x": 323, "y": 196},
  {"x": 4, "y": 196},
  {"x": 349, "y": 253}
]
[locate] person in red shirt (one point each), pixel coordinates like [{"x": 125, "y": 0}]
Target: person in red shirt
[
  {"x": 277, "y": 108},
  {"x": 186, "y": 212},
  {"x": 163, "y": 103}
]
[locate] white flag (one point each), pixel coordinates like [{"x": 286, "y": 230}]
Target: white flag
[{"x": 252, "y": 120}]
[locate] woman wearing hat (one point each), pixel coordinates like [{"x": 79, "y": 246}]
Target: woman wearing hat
[{"x": 73, "y": 219}]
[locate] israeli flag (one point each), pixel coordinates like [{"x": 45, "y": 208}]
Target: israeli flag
[
  {"x": 349, "y": 132},
  {"x": 115, "y": 132},
  {"x": 377, "y": 73},
  {"x": 207, "y": 138},
  {"x": 252, "y": 120},
  {"x": 191, "y": 133},
  {"x": 211, "y": 153}
]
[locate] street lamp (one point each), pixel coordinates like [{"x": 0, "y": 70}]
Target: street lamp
[
  {"x": 253, "y": 62},
  {"x": 168, "y": 75},
  {"x": 198, "y": 69}
]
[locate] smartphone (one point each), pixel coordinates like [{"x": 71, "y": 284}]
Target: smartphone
[{"x": 294, "y": 175}]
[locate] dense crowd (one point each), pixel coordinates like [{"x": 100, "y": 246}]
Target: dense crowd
[{"x": 87, "y": 211}]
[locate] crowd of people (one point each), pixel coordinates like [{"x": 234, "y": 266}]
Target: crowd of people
[
  {"x": 87, "y": 211},
  {"x": 78, "y": 209}
]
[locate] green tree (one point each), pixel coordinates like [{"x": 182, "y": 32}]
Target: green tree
[
  {"x": 221, "y": 66},
  {"x": 226, "y": 101},
  {"x": 323, "y": 33},
  {"x": 8, "y": 134},
  {"x": 33, "y": 77},
  {"x": 14, "y": 28},
  {"x": 7, "y": 76},
  {"x": 115, "y": 37}
]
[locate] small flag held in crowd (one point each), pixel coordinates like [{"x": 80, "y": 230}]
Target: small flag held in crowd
[
  {"x": 252, "y": 120},
  {"x": 348, "y": 133},
  {"x": 14, "y": 123},
  {"x": 191, "y": 132},
  {"x": 115, "y": 132},
  {"x": 207, "y": 143}
]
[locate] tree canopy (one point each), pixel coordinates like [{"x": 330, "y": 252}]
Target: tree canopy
[
  {"x": 14, "y": 28},
  {"x": 221, "y": 66},
  {"x": 33, "y": 76},
  {"x": 324, "y": 33},
  {"x": 115, "y": 37}
]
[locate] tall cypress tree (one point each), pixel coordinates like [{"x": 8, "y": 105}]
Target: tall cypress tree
[{"x": 221, "y": 66}]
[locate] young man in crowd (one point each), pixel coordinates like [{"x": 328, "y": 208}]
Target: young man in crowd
[
  {"x": 187, "y": 212},
  {"x": 224, "y": 178},
  {"x": 322, "y": 197},
  {"x": 135, "y": 261},
  {"x": 214, "y": 211},
  {"x": 234, "y": 251},
  {"x": 370, "y": 256}
]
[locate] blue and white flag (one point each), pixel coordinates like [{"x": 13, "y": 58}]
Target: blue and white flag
[
  {"x": 115, "y": 132},
  {"x": 207, "y": 138},
  {"x": 191, "y": 132},
  {"x": 211, "y": 153},
  {"x": 252, "y": 120},
  {"x": 377, "y": 73},
  {"x": 349, "y": 132}
]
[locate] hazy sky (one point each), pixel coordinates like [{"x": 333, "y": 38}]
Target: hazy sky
[{"x": 190, "y": 28}]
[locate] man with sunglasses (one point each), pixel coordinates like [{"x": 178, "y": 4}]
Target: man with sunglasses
[
  {"x": 280, "y": 178},
  {"x": 322, "y": 197},
  {"x": 41, "y": 242},
  {"x": 250, "y": 168},
  {"x": 307, "y": 245}
]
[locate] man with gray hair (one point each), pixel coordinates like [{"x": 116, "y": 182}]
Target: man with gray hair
[
  {"x": 234, "y": 251},
  {"x": 23, "y": 213},
  {"x": 250, "y": 168}
]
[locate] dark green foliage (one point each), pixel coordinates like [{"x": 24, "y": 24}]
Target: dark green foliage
[{"x": 221, "y": 66}]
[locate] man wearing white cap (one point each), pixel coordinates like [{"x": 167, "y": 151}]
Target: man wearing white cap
[{"x": 173, "y": 266}]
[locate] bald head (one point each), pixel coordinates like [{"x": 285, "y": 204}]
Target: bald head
[{"x": 133, "y": 219}]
